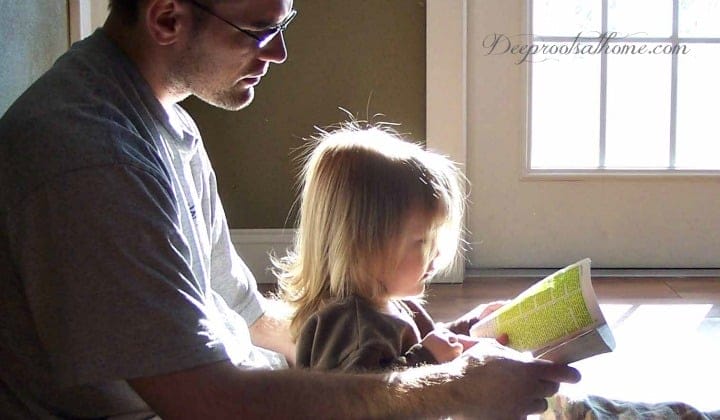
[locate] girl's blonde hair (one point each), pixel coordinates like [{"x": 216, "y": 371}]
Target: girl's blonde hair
[{"x": 358, "y": 188}]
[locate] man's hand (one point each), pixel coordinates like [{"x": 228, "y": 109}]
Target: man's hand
[
  {"x": 503, "y": 388},
  {"x": 501, "y": 383},
  {"x": 524, "y": 382},
  {"x": 488, "y": 381}
]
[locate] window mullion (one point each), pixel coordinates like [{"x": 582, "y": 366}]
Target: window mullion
[
  {"x": 673, "y": 86},
  {"x": 603, "y": 90}
]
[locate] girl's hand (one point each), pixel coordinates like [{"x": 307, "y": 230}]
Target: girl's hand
[
  {"x": 482, "y": 311},
  {"x": 463, "y": 324},
  {"x": 443, "y": 344}
]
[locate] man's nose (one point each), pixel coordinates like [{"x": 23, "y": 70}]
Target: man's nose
[{"x": 274, "y": 51}]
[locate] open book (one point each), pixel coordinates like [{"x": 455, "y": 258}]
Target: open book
[{"x": 557, "y": 318}]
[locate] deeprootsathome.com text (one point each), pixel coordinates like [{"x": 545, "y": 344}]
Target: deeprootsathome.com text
[{"x": 604, "y": 43}]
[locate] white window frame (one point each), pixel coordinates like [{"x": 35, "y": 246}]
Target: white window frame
[
  {"x": 564, "y": 174},
  {"x": 446, "y": 89},
  {"x": 84, "y": 16},
  {"x": 446, "y": 77}
]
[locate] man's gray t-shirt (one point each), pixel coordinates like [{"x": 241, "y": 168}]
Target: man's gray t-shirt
[{"x": 115, "y": 255}]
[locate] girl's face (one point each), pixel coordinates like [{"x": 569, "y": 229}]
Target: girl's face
[{"x": 414, "y": 267}]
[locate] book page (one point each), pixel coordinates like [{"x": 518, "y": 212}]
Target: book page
[
  {"x": 559, "y": 306},
  {"x": 582, "y": 346}
]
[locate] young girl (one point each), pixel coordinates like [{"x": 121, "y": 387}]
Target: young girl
[{"x": 379, "y": 217}]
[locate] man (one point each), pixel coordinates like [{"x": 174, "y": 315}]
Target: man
[{"x": 122, "y": 294}]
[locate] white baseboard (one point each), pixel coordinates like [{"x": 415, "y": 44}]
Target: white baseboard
[
  {"x": 596, "y": 272},
  {"x": 255, "y": 246}
]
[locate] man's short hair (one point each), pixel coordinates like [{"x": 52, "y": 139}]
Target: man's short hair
[{"x": 126, "y": 9}]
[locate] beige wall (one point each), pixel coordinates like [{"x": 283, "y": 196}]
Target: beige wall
[
  {"x": 341, "y": 54},
  {"x": 34, "y": 34}
]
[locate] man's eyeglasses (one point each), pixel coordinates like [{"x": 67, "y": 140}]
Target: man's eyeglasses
[{"x": 264, "y": 36}]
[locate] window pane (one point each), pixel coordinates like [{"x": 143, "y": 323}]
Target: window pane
[
  {"x": 566, "y": 17},
  {"x": 638, "y": 111},
  {"x": 699, "y": 18},
  {"x": 643, "y": 18},
  {"x": 698, "y": 135},
  {"x": 565, "y": 110}
]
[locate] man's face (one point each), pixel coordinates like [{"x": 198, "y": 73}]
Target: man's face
[{"x": 219, "y": 63}]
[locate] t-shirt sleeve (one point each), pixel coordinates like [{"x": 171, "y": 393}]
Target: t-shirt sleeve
[
  {"x": 230, "y": 276},
  {"x": 334, "y": 343},
  {"x": 107, "y": 277},
  {"x": 422, "y": 318}
]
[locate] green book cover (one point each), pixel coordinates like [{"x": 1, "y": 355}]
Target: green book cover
[{"x": 557, "y": 318}]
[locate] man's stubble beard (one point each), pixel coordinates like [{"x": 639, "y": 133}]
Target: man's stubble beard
[
  {"x": 192, "y": 74},
  {"x": 228, "y": 100}
]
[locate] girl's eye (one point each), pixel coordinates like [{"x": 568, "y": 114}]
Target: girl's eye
[{"x": 424, "y": 243}]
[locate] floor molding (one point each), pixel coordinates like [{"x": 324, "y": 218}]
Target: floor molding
[
  {"x": 254, "y": 246},
  {"x": 596, "y": 272}
]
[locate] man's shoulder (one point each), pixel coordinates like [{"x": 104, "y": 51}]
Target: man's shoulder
[
  {"x": 91, "y": 95},
  {"x": 73, "y": 118},
  {"x": 53, "y": 140}
]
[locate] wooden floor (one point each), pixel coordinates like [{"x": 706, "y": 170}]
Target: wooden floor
[
  {"x": 448, "y": 301},
  {"x": 667, "y": 332}
]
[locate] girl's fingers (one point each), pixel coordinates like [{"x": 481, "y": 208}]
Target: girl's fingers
[{"x": 503, "y": 339}]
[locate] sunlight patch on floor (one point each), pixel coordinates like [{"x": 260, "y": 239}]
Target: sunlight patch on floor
[{"x": 664, "y": 352}]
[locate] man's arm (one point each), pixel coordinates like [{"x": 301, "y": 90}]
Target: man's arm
[
  {"x": 221, "y": 390},
  {"x": 493, "y": 388}
]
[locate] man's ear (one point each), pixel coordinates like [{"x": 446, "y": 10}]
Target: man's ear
[{"x": 165, "y": 19}]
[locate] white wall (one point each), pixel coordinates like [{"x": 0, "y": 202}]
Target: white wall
[
  {"x": 85, "y": 16},
  {"x": 520, "y": 222}
]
